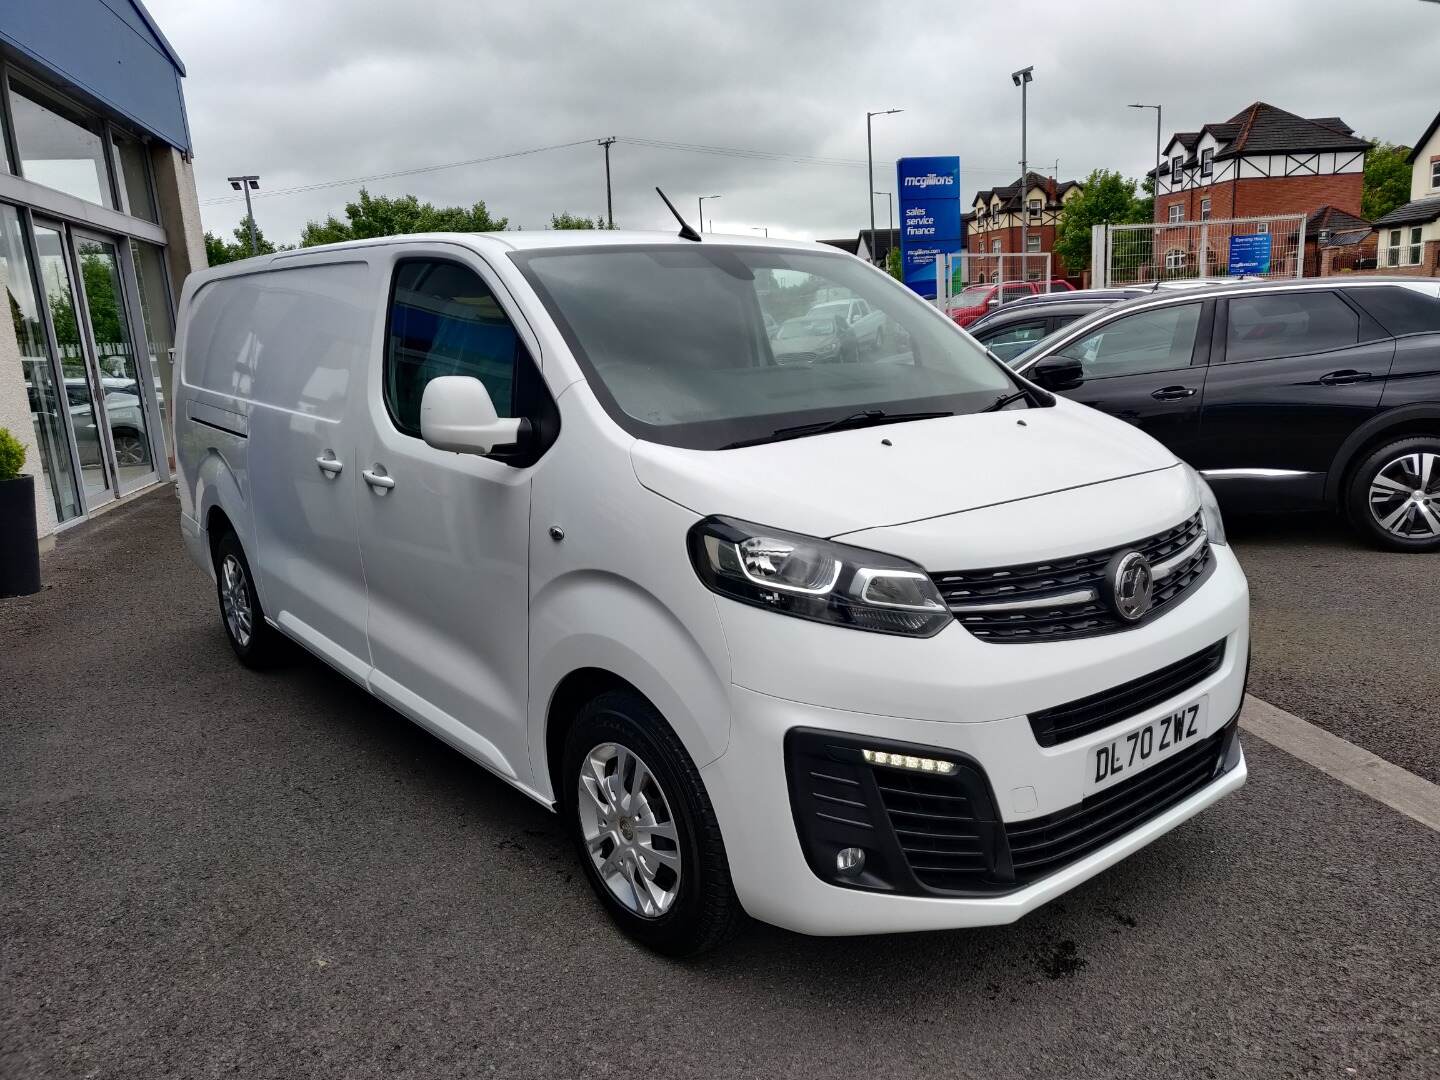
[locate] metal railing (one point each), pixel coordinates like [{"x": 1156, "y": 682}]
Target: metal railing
[{"x": 1263, "y": 247}]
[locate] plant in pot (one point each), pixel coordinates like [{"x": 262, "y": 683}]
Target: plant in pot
[{"x": 19, "y": 548}]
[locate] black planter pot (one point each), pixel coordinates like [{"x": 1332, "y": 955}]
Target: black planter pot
[{"x": 19, "y": 549}]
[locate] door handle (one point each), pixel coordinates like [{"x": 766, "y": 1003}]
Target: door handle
[
  {"x": 1340, "y": 378},
  {"x": 1173, "y": 393},
  {"x": 328, "y": 463},
  {"x": 378, "y": 481}
]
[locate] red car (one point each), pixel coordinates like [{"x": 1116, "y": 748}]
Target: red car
[{"x": 974, "y": 301}]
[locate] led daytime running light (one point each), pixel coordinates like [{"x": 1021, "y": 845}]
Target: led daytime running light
[{"x": 908, "y": 761}]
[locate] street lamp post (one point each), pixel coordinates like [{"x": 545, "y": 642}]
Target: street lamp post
[
  {"x": 870, "y": 159},
  {"x": 889, "y": 212},
  {"x": 248, "y": 184},
  {"x": 1023, "y": 78},
  {"x": 1156, "y": 190},
  {"x": 761, "y": 228},
  {"x": 701, "y": 204}
]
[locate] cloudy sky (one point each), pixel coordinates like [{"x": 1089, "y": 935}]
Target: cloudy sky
[{"x": 304, "y": 93}]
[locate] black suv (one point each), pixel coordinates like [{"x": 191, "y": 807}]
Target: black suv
[
  {"x": 1284, "y": 395},
  {"x": 1010, "y": 330}
]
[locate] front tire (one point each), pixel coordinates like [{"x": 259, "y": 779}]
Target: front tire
[
  {"x": 1394, "y": 495},
  {"x": 644, "y": 829},
  {"x": 256, "y": 643}
]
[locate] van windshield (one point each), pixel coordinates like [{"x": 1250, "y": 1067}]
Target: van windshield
[{"x": 673, "y": 341}]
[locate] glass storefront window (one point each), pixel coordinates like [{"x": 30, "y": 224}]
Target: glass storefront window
[
  {"x": 134, "y": 179},
  {"x": 60, "y": 297},
  {"x": 159, "y": 329},
  {"x": 46, "y": 401},
  {"x": 59, "y": 146}
]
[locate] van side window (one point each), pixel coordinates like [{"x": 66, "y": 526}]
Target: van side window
[{"x": 445, "y": 321}]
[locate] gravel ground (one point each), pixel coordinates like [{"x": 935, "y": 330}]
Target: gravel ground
[{"x": 207, "y": 872}]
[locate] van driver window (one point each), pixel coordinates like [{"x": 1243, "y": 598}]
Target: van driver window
[{"x": 445, "y": 321}]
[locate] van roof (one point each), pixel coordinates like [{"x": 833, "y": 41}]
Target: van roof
[{"x": 523, "y": 240}]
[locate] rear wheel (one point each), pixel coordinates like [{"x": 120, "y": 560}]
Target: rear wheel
[
  {"x": 644, "y": 829},
  {"x": 257, "y": 644},
  {"x": 1394, "y": 495}
]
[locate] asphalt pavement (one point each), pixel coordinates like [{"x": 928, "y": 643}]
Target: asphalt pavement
[{"x": 206, "y": 871}]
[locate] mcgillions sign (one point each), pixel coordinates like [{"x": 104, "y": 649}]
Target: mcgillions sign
[{"x": 929, "y": 217}]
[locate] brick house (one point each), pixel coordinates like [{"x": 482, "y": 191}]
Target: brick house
[
  {"x": 993, "y": 225},
  {"x": 1409, "y": 236},
  {"x": 1262, "y": 161},
  {"x": 1337, "y": 242}
]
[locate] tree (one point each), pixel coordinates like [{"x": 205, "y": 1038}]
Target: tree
[
  {"x": 1387, "y": 180},
  {"x": 219, "y": 251},
  {"x": 383, "y": 215},
  {"x": 569, "y": 221},
  {"x": 1106, "y": 198},
  {"x": 894, "y": 264}
]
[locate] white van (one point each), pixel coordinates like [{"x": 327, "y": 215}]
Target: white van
[{"x": 876, "y": 640}]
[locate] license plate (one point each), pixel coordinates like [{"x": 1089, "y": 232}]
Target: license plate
[{"x": 1135, "y": 751}]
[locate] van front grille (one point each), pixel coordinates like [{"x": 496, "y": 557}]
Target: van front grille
[
  {"x": 1087, "y": 714},
  {"x": 1062, "y": 599}
]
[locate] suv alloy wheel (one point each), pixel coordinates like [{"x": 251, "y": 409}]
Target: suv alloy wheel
[{"x": 1394, "y": 495}]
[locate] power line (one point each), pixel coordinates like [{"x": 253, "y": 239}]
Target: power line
[
  {"x": 400, "y": 172},
  {"x": 656, "y": 144}
]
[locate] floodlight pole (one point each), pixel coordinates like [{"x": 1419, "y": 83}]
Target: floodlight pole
[
  {"x": 245, "y": 184},
  {"x": 1023, "y": 79}
]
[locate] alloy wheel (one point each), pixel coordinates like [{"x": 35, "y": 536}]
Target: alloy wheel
[
  {"x": 235, "y": 600},
  {"x": 129, "y": 450},
  {"x": 629, "y": 829},
  {"x": 1405, "y": 496}
]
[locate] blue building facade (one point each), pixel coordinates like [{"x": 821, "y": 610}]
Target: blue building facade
[{"x": 99, "y": 226}]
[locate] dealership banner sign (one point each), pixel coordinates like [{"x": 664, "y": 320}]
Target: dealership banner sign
[{"x": 929, "y": 190}]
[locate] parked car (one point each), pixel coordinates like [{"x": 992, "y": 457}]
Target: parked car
[
  {"x": 860, "y": 322},
  {"x": 1011, "y": 330},
  {"x": 814, "y": 338},
  {"x": 123, "y": 412},
  {"x": 975, "y": 301},
  {"x": 1284, "y": 394},
  {"x": 771, "y": 638}
]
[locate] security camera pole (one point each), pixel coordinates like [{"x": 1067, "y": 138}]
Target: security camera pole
[{"x": 248, "y": 184}]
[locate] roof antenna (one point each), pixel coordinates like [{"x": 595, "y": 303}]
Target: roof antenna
[{"x": 686, "y": 232}]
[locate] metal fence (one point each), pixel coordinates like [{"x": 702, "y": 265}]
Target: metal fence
[
  {"x": 1264, "y": 247},
  {"x": 956, "y": 273}
]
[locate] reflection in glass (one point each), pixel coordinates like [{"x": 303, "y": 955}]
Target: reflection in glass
[
  {"x": 119, "y": 373},
  {"x": 159, "y": 328},
  {"x": 60, "y": 298},
  {"x": 45, "y": 408},
  {"x": 59, "y": 147},
  {"x": 134, "y": 178}
]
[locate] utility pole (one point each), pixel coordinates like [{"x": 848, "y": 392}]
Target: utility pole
[
  {"x": 870, "y": 159},
  {"x": 247, "y": 184},
  {"x": 609, "y": 206},
  {"x": 1023, "y": 78}
]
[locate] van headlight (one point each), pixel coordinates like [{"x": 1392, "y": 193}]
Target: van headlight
[
  {"x": 816, "y": 579},
  {"x": 1209, "y": 509}
]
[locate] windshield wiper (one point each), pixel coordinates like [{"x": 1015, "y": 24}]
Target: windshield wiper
[
  {"x": 1009, "y": 399},
  {"x": 868, "y": 418}
]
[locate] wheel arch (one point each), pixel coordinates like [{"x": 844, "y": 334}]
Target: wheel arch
[{"x": 1404, "y": 421}]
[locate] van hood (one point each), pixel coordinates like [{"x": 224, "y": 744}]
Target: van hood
[{"x": 843, "y": 481}]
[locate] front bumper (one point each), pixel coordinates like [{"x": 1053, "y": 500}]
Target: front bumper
[{"x": 749, "y": 787}]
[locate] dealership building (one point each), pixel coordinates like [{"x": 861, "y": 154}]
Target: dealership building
[{"x": 99, "y": 226}]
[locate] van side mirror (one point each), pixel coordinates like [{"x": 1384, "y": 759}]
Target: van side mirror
[
  {"x": 456, "y": 414},
  {"x": 1058, "y": 373}
]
